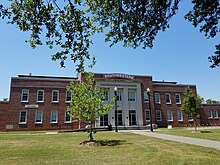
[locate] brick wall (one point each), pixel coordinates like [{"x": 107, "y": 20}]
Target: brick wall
[
  {"x": 212, "y": 121},
  {"x": 47, "y": 106},
  {"x": 3, "y": 114}
]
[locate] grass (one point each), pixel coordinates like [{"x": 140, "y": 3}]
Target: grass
[
  {"x": 33, "y": 148},
  {"x": 210, "y": 134}
]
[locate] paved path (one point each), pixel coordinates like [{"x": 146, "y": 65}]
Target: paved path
[{"x": 188, "y": 140}]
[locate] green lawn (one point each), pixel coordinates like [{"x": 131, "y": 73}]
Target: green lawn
[
  {"x": 37, "y": 148},
  {"x": 210, "y": 134}
]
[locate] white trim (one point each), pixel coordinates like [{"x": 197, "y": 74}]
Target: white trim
[
  {"x": 155, "y": 95},
  {"x": 25, "y": 101},
  {"x": 41, "y": 117},
  {"x": 169, "y": 96},
  {"x": 40, "y": 101},
  {"x": 168, "y": 115},
  {"x": 146, "y": 96},
  {"x": 66, "y": 116},
  {"x": 215, "y": 117},
  {"x": 160, "y": 115},
  {"x": 132, "y": 96},
  {"x": 177, "y": 94},
  {"x": 58, "y": 93},
  {"x": 211, "y": 117},
  {"x": 20, "y": 117},
  {"x": 56, "y": 116},
  {"x": 66, "y": 97},
  {"x": 181, "y": 115}
]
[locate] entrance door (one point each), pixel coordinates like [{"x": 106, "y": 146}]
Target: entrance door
[
  {"x": 119, "y": 117},
  {"x": 132, "y": 117}
]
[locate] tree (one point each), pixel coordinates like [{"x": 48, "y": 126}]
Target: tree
[
  {"x": 211, "y": 101},
  {"x": 69, "y": 24},
  {"x": 191, "y": 105},
  {"x": 87, "y": 101}
]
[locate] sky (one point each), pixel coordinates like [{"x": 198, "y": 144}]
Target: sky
[{"x": 179, "y": 54}]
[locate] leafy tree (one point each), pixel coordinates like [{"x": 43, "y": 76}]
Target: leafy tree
[
  {"x": 87, "y": 101},
  {"x": 69, "y": 25},
  {"x": 192, "y": 105},
  {"x": 211, "y": 101}
]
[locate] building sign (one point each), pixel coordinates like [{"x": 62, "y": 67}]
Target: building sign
[
  {"x": 119, "y": 75},
  {"x": 31, "y": 106}
]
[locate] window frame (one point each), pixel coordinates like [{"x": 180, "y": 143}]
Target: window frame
[
  {"x": 146, "y": 97},
  {"x": 155, "y": 95},
  {"x": 106, "y": 95},
  {"x": 160, "y": 115},
  {"x": 215, "y": 112},
  {"x": 103, "y": 121},
  {"x": 25, "y": 122},
  {"x": 190, "y": 117},
  {"x": 22, "y": 94},
  {"x": 177, "y": 94},
  {"x": 131, "y": 95},
  {"x": 181, "y": 116},
  {"x": 169, "y": 111},
  {"x": 68, "y": 121},
  {"x": 147, "y": 110},
  {"x": 68, "y": 101},
  {"x": 39, "y": 122},
  {"x": 119, "y": 95},
  {"x": 169, "y": 98},
  {"x": 51, "y": 115},
  {"x": 210, "y": 117},
  {"x": 55, "y": 101},
  {"x": 40, "y": 101}
]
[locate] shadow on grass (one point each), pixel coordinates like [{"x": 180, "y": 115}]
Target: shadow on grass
[
  {"x": 99, "y": 143},
  {"x": 112, "y": 142},
  {"x": 206, "y": 131}
]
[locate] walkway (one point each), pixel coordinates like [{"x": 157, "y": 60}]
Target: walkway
[{"x": 188, "y": 140}]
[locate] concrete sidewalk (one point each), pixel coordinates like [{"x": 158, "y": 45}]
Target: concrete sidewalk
[{"x": 187, "y": 140}]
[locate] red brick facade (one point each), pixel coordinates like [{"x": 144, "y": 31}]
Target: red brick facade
[{"x": 11, "y": 112}]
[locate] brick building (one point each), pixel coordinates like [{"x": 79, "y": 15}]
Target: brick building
[{"x": 40, "y": 102}]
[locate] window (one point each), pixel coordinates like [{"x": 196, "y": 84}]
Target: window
[
  {"x": 40, "y": 96},
  {"x": 180, "y": 115},
  {"x": 38, "y": 116},
  {"x": 106, "y": 95},
  {"x": 24, "y": 95},
  {"x": 68, "y": 117},
  {"x": 168, "y": 98},
  {"x": 55, "y": 96},
  {"x": 147, "y": 115},
  {"x": 53, "y": 117},
  {"x": 178, "y": 99},
  {"x": 119, "y": 95},
  {"x": 215, "y": 114},
  {"x": 68, "y": 96},
  {"x": 190, "y": 117},
  {"x": 169, "y": 115},
  {"x": 104, "y": 120},
  {"x": 131, "y": 95},
  {"x": 210, "y": 114},
  {"x": 23, "y": 117},
  {"x": 158, "y": 115},
  {"x": 146, "y": 98},
  {"x": 157, "y": 98}
]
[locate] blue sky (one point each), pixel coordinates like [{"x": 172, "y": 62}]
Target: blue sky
[{"x": 179, "y": 54}]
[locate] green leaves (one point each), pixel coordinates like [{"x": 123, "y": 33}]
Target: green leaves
[
  {"x": 191, "y": 103},
  {"x": 68, "y": 25}
]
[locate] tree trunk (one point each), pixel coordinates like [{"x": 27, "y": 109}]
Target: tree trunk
[
  {"x": 90, "y": 133},
  {"x": 79, "y": 125},
  {"x": 195, "y": 125}
]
